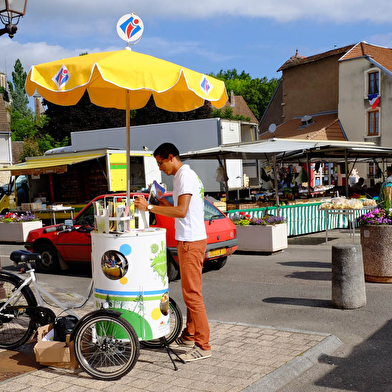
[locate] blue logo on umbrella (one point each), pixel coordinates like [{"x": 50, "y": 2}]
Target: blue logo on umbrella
[
  {"x": 130, "y": 27},
  {"x": 205, "y": 85},
  {"x": 62, "y": 77}
]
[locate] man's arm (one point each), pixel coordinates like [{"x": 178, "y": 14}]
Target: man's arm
[{"x": 166, "y": 209}]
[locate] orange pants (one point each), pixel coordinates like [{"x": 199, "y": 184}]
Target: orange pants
[{"x": 190, "y": 258}]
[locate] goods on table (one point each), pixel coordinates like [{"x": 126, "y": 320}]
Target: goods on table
[
  {"x": 369, "y": 203},
  {"x": 342, "y": 203}
]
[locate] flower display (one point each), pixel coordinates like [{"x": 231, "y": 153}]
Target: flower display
[
  {"x": 244, "y": 219},
  {"x": 377, "y": 216},
  {"x": 14, "y": 217}
]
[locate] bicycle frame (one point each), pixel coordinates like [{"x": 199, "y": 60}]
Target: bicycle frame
[{"x": 38, "y": 290}]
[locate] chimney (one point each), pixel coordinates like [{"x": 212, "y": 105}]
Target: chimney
[
  {"x": 232, "y": 99},
  {"x": 2, "y": 80},
  {"x": 38, "y": 106}
]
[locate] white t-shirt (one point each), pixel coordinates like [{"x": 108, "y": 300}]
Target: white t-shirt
[{"x": 190, "y": 228}]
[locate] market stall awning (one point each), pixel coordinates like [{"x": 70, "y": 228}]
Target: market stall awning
[
  {"x": 286, "y": 149},
  {"x": 49, "y": 164}
]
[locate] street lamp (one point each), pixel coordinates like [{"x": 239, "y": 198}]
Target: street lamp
[{"x": 10, "y": 13}]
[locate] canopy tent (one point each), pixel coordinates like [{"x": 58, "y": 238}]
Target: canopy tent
[
  {"x": 50, "y": 164},
  {"x": 286, "y": 149},
  {"x": 295, "y": 150}
]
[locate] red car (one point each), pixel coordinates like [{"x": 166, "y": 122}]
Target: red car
[{"x": 60, "y": 247}]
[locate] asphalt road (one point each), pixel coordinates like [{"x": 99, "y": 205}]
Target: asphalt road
[{"x": 291, "y": 290}]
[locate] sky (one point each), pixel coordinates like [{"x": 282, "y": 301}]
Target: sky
[{"x": 255, "y": 36}]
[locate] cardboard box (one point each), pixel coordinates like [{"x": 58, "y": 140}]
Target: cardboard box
[
  {"x": 51, "y": 353},
  {"x": 221, "y": 205},
  {"x": 247, "y": 206}
]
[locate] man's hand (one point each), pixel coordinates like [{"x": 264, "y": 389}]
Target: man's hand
[{"x": 141, "y": 203}]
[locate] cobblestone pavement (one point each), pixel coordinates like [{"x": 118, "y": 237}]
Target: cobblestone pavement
[{"x": 244, "y": 356}]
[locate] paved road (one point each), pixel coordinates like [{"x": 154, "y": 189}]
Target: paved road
[{"x": 292, "y": 289}]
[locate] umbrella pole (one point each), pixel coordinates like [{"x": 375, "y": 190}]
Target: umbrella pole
[{"x": 128, "y": 128}]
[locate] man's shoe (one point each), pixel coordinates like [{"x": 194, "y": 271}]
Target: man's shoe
[
  {"x": 181, "y": 342},
  {"x": 195, "y": 354}
]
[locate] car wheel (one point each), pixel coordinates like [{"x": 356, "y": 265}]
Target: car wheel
[
  {"x": 173, "y": 270},
  {"x": 217, "y": 264},
  {"x": 49, "y": 260}
]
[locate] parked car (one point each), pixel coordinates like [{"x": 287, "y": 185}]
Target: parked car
[{"x": 60, "y": 246}]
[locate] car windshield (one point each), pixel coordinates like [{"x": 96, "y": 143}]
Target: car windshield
[
  {"x": 210, "y": 211},
  {"x": 86, "y": 217}
]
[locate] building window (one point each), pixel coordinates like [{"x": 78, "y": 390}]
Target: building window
[
  {"x": 373, "y": 123},
  {"x": 373, "y": 86}
]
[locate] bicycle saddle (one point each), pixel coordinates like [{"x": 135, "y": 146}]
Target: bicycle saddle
[{"x": 23, "y": 256}]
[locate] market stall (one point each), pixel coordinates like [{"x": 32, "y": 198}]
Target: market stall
[{"x": 302, "y": 207}]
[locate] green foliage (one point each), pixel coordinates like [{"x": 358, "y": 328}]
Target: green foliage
[
  {"x": 20, "y": 100},
  {"x": 256, "y": 92},
  {"x": 4, "y": 93},
  {"x": 151, "y": 114},
  {"x": 227, "y": 113},
  {"x": 83, "y": 116}
]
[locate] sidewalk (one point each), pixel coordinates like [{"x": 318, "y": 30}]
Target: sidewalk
[{"x": 245, "y": 358}]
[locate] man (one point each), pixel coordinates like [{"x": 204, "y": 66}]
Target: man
[
  {"x": 23, "y": 194},
  {"x": 188, "y": 211},
  {"x": 359, "y": 186}
]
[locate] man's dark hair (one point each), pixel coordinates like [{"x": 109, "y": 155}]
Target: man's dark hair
[
  {"x": 165, "y": 149},
  {"x": 389, "y": 169}
]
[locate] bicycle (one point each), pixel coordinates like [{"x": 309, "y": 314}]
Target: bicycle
[{"x": 106, "y": 345}]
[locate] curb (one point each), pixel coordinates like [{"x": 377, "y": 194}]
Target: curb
[{"x": 288, "y": 372}]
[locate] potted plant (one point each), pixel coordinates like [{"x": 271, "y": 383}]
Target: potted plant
[
  {"x": 265, "y": 234},
  {"x": 376, "y": 241},
  {"x": 15, "y": 227}
]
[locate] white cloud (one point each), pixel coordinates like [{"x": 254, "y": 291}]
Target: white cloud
[
  {"x": 381, "y": 39},
  {"x": 33, "y": 53},
  {"x": 93, "y": 11}
]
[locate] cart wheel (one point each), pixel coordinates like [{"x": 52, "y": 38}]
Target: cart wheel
[
  {"x": 106, "y": 346},
  {"x": 176, "y": 322}
]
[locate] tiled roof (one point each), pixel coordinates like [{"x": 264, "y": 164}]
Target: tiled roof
[
  {"x": 300, "y": 60},
  {"x": 380, "y": 54},
  {"x": 240, "y": 108},
  {"x": 323, "y": 127}
]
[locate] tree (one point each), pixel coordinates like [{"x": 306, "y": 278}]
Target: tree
[
  {"x": 20, "y": 100},
  {"x": 151, "y": 114},
  {"x": 25, "y": 126},
  {"x": 227, "y": 113},
  {"x": 256, "y": 92},
  {"x": 83, "y": 116}
]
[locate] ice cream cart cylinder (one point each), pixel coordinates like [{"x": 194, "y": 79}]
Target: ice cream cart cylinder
[{"x": 130, "y": 275}]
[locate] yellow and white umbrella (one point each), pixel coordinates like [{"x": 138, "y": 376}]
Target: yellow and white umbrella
[{"x": 124, "y": 80}]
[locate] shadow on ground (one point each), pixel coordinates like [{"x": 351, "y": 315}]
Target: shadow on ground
[
  {"x": 20, "y": 361},
  {"x": 306, "y": 264},
  {"x": 307, "y": 240},
  {"x": 313, "y": 303},
  {"x": 367, "y": 368},
  {"x": 311, "y": 275}
]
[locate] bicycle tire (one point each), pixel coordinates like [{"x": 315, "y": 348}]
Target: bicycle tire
[
  {"x": 106, "y": 346},
  {"x": 176, "y": 324},
  {"x": 18, "y": 329}
]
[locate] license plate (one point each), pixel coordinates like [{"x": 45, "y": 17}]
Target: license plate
[{"x": 217, "y": 252}]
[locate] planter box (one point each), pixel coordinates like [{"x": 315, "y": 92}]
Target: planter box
[
  {"x": 17, "y": 231},
  {"x": 262, "y": 238},
  {"x": 376, "y": 242}
]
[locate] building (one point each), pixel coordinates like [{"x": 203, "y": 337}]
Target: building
[
  {"x": 365, "y": 74},
  {"x": 5, "y": 134},
  {"x": 305, "y": 103}
]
